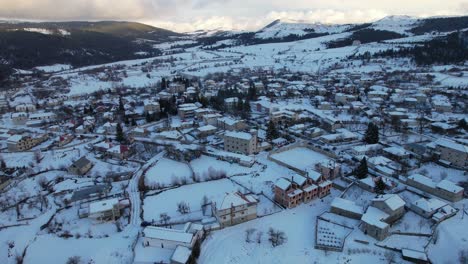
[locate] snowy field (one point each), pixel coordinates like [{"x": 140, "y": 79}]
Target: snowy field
[
  {"x": 168, "y": 172},
  {"x": 438, "y": 173},
  {"x": 203, "y": 165},
  {"x": 166, "y": 202},
  {"x": 405, "y": 242},
  {"x": 359, "y": 196},
  {"x": 331, "y": 235},
  {"x": 300, "y": 158},
  {"x": 413, "y": 223},
  {"x": 115, "y": 249},
  {"x": 451, "y": 240},
  {"x": 298, "y": 225}
]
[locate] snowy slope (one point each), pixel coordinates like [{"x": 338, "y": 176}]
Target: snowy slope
[
  {"x": 398, "y": 24},
  {"x": 283, "y": 28}
]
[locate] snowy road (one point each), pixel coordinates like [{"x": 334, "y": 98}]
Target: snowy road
[{"x": 134, "y": 194}]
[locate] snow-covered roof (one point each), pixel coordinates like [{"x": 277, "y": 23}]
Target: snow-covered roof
[
  {"x": 379, "y": 160},
  {"x": 15, "y": 138},
  {"x": 236, "y": 199},
  {"x": 167, "y": 234},
  {"x": 310, "y": 188},
  {"x": 397, "y": 151},
  {"x": 429, "y": 205},
  {"x": 314, "y": 175},
  {"x": 104, "y": 205},
  {"x": 451, "y": 145},
  {"x": 422, "y": 180},
  {"x": 241, "y": 135},
  {"x": 347, "y": 205},
  {"x": 368, "y": 147},
  {"x": 181, "y": 254},
  {"x": 207, "y": 128},
  {"x": 228, "y": 120},
  {"x": 283, "y": 184},
  {"x": 298, "y": 179},
  {"x": 449, "y": 186},
  {"x": 325, "y": 183},
  {"x": 375, "y": 217},
  {"x": 393, "y": 201},
  {"x": 295, "y": 192},
  {"x": 414, "y": 254}
]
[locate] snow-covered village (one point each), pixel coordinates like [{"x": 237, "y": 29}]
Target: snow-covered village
[{"x": 294, "y": 143}]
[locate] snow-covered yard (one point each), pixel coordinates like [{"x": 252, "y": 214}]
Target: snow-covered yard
[
  {"x": 166, "y": 202},
  {"x": 113, "y": 249},
  {"x": 438, "y": 173},
  {"x": 300, "y": 158},
  {"x": 452, "y": 238},
  {"x": 203, "y": 165},
  {"x": 168, "y": 172},
  {"x": 298, "y": 224}
]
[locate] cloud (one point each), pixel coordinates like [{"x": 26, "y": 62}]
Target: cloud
[
  {"x": 87, "y": 9},
  {"x": 188, "y": 15}
]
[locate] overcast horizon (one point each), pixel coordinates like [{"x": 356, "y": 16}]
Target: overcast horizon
[{"x": 191, "y": 15}]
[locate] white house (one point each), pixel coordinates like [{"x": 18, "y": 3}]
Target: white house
[{"x": 171, "y": 238}]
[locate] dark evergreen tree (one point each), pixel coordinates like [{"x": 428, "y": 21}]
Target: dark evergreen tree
[
  {"x": 380, "y": 186},
  {"x": 462, "y": 124},
  {"x": 247, "y": 109},
  {"x": 148, "y": 117},
  {"x": 120, "y": 137},
  {"x": 372, "y": 134},
  {"x": 203, "y": 101},
  {"x": 121, "y": 105},
  {"x": 271, "y": 132},
  {"x": 3, "y": 165},
  {"x": 361, "y": 171},
  {"x": 252, "y": 93},
  {"x": 239, "y": 105}
]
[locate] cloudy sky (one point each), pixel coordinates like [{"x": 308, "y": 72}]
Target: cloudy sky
[{"x": 189, "y": 15}]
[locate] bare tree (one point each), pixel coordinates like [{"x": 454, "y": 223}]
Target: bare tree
[
  {"x": 259, "y": 237},
  {"x": 42, "y": 182},
  {"x": 19, "y": 259},
  {"x": 204, "y": 202},
  {"x": 164, "y": 218},
  {"x": 37, "y": 156},
  {"x": 74, "y": 260},
  {"x": 443, "y": 175},
  {"x": 248, "y": 234},
  {"x": 389, "y": 256},
  {"x": 463, "y": 256},
  {"x": 276, "y": 237},
  {"x": 183, "y": 207}
]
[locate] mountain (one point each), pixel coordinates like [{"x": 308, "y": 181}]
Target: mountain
[
  {"x": 283, "y": 28},
  {"x": 121, "y": 29},
  {"x": 25, "y": 45}
]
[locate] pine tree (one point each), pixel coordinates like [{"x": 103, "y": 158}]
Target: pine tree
[
  {"x": 372, "y": 134},
  {"x": 361, "y": 171},
  {"x": 272, "y": 133},
  {"x": 380, "y": 186},
  {"x": 245, "y": 114},
  {"x": 3, "y": 165},
  {"x": 148, "y": 117},
  {"x": 462, "y": 124},
  {"x": 120, "y": 137},
  {"x": 252, "y": 93},
  {"x": 240, "y": 105},
  {"x": 121, "y": 105}
]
